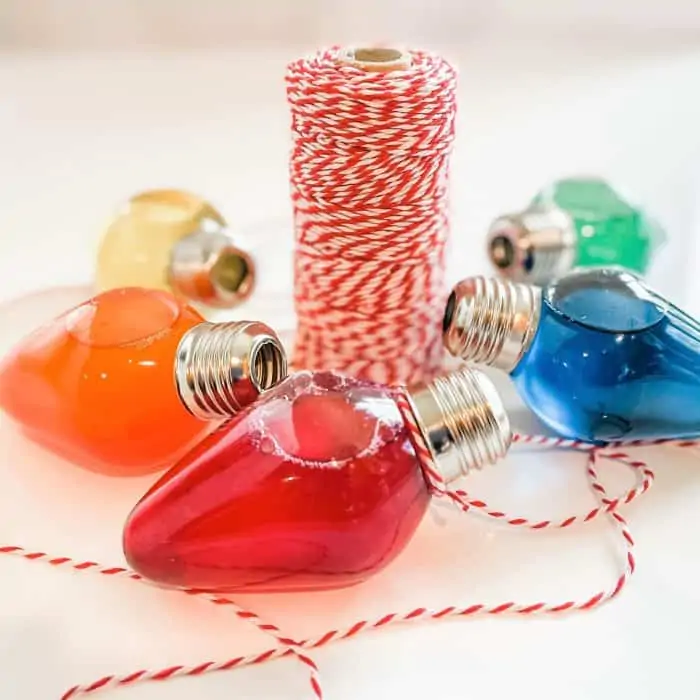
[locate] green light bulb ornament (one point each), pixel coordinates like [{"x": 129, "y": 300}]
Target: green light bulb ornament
[{"x": 574, "y": 222}]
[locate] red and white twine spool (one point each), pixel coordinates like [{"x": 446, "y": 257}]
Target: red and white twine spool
[{"x": 369, "y": 176}]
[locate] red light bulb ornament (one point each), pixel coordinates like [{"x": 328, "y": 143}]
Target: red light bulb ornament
[
  {"x": 319, "y": 485},
  {"x": 95, "y": 385}
]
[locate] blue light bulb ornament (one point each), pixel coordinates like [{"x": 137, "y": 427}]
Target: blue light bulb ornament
[{"x": 597, "y": 355}]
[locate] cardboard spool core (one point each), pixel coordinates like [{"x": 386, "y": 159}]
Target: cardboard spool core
[{"x": 377, "y": 60}]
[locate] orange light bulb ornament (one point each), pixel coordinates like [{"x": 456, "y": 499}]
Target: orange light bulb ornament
[{"x": 97, "y": 387}]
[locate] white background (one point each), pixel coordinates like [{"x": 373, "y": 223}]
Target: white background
[
  {"x": 543, "y": 93},
  {"x": 178, "y": 23}
]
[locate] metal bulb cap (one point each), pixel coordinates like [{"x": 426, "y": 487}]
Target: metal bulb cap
[
  {"x": 462, "y": 420},
  {"x": 209, "y": 267},
  {"x": 220, "y": 368},
  {"x": 490, "y": 321},
  {"x": 532, "y": 246}
]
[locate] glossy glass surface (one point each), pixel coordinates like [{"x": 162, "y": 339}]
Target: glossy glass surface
[
  {"x": 610, "y": 231},
  {"x": 95, "y": 385},
  {"x": 315, "y": 487},
  {"x": 611, "y": 360},
  {"x": 135, "y": 249}
]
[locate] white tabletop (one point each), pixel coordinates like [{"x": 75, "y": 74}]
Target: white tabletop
[{"x": 79, "y": 133}]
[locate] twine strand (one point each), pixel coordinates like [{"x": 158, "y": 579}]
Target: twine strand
[{"x": 286, "y": 646}]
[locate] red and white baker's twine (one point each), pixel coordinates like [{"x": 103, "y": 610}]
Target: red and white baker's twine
[
  {"x": 286, "y": 646},
  {"x": 369, "y": 172}
]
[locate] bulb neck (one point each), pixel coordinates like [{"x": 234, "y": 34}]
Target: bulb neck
[
  {"x": 533, "y": 246},
  {"x": 462, "y": 420},
  {"x": 491, "y": 321},
  {"x": 207, "y": 267},
  {"x": 220, "y": 368}
]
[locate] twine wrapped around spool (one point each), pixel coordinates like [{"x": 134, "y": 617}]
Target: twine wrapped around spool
[{"x": 372, "y": 134}]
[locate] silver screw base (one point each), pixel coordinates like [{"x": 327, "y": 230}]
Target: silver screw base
[
  {"x": 463, "y": 421},
  {"x": 491, "y": 321},
  {"x": 209, "y": 268},
  {"x": 533, "y": 246},
  {"x": 220, "y": 368}
]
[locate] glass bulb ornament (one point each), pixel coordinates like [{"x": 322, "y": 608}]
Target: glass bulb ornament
[
  {"x": 597, "y": 355},
  {"x": 174, "y": 240},
  {"x": 575, "y": 222},
  {"x": 95, "y": 385},
  {"x": 316, "y": 486}
]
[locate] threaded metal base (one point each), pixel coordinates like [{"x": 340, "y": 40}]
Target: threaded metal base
[
  {"x": 491, "y": 321},
  {"x": 533, "y": 246},
  {"x": 463, "y": 422},
  {"x": 220, "y": 368},
  {"x": 208, "y": 267}
]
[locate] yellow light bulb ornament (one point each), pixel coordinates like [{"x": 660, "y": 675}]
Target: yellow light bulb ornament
[{"x": 174, "y": 240}]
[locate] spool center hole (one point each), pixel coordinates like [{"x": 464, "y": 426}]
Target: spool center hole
[{"x": 377, "y": 55}]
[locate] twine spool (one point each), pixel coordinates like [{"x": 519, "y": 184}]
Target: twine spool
[{"x": 372, "y": 135}]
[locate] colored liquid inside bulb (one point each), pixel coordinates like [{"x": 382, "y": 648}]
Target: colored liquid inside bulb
[
  {"x": 611, "y": 360},
  {"x": 316, "y": 486},
  {"x": 609, "y": 231},
  {"x": 136, "y": 248},
  {"x": 95, "y": 385}
]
